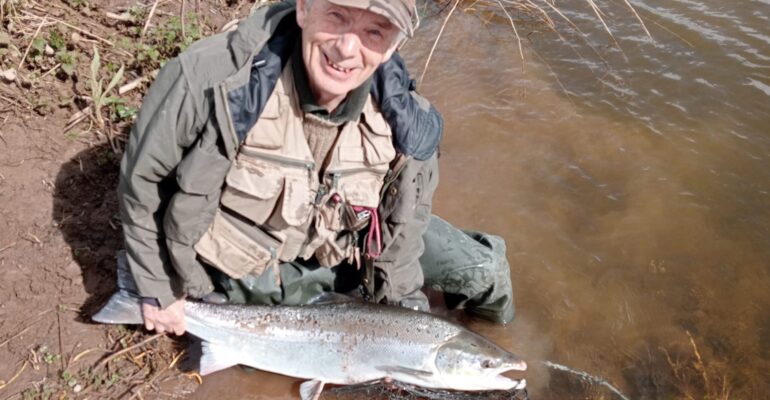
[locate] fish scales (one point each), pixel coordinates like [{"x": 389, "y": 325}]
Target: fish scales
[
  {"x": 341, "y": 342},
  {"x": 321, "y": 337}
]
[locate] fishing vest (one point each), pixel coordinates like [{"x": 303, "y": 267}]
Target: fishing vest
[{"x": 275, "y": 207}]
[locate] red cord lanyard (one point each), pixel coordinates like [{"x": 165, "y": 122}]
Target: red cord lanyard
[{"x": 375, "y": 231}]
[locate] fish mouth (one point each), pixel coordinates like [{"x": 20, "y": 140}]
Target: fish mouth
[{"x": 509, "y": 376}]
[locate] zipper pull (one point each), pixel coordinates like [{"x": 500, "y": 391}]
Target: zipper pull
[
  {"x": 320, "y": 194},
  {"x": 335, "y": 179}
]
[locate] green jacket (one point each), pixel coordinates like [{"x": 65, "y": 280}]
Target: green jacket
[{"x": 192, "y": 120}]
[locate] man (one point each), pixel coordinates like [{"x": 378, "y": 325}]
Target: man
[{"x": 271, "y": 164}]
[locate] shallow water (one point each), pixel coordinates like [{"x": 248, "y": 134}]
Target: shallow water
[{"x": 631, "y": 182}]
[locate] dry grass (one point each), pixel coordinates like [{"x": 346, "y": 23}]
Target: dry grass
[
  {"x": 545, "y": 12},
  {"x": 697, "y": 378}
]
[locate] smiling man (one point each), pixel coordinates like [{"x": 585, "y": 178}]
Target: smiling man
[{"x": 292, "y": 157}]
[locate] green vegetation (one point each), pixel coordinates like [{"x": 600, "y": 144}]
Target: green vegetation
[
  {"x": 164, "y": 42},
  {"x": 99, "y": 94}
]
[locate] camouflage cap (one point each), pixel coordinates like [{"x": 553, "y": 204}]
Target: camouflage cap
[{"x": 401, "y": 13}]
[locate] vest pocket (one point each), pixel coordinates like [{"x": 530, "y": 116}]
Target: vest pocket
[
  {"x": 332, "y": 252},
  {"x": 297, "y": 200},
  {"x": 377, "y": 141},
  {"x": 361, "y": 190},
  {"x": 268, "y": 132},
  {"x": 252, "y": 189},
  {"x": 236, "y": 247}
]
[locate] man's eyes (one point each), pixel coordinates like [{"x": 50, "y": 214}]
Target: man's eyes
[
  {"x": 374, "y": 33},
  {"x": 337, "y": 16}
]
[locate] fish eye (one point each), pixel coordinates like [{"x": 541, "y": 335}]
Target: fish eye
[{"x": 489, "y": 364}]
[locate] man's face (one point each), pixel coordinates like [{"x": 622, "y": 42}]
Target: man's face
[{"x": 342, "y": 47}]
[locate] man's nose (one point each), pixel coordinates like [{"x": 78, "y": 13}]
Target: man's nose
[{"x": 348, "y": 44}]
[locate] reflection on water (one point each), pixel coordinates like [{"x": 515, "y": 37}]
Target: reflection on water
[{"x": 633, "y": 191}]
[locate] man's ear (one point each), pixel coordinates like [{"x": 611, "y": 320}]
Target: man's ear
[{"x": 301, "y": 13}]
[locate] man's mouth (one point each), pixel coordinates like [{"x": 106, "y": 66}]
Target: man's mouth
[{"x": 342, "y": 72}]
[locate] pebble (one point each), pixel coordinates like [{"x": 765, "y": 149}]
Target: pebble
[{"x": 9, "y": 75}]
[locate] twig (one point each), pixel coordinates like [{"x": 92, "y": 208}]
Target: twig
[
  {"x": 50, "y": 71},
  {"x": 83, "y": 31},
  {"x": 149, "y": 18},
  {"x": 61, "y": 346},
  {"x": 24, "y": 330},
  {"x": 127, "y": 349},
  {"x": 435, "y": 43},
  {"x": 120, "y": 17},
  {"x": 23, "y": 367},
  {"x": 599, "y": 14},
  {"x": 77, "y": 118},
  {"x": 194, "y": 375},
  {"x": 515, "y": 32},
  {"x": 700, "y": 365},
  {"x": 181, "y": 18},
  {"x": 132, "y": 85},
  {"x": 639, "y": 18},
  {"x": 675, "y": 34},
  {"x": 12, "y": 101},
  {"x": 26, "y": 52},
  {"x": 84, "y": 352},
  {"x": 155, "y": 376},
  {"x": 4, "y": 248}
]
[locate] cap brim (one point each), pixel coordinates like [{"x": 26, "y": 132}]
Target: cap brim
[{"x": 403, "y": 22}]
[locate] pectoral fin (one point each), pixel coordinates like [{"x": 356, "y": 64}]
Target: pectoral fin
[
  {"x": 217, "y": 357},
  {"x": 311, "y": 390}
]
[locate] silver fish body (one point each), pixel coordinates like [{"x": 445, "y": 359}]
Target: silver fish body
[{"x": 339, "y": 343}]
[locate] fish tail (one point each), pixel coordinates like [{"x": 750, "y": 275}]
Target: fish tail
[{"x": 123, "y": 308}]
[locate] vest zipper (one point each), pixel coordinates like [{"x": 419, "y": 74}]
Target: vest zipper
[
  {"x": 230, "y": 125},
  {"x": 336, "y": 175}
]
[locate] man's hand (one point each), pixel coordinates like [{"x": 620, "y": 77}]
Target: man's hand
[{"x": 170, "y": 319}]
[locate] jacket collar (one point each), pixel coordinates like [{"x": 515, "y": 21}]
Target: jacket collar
[{"x": 253, "y": 33}]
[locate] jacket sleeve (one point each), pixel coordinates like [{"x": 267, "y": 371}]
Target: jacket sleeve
[
  {"x": 417, "y": 125},
  {"x": 405, "y": 212},
  {"x": 165, "y": 127}
]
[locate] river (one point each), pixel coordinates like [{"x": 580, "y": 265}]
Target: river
[{"x": 630, "y": 178}]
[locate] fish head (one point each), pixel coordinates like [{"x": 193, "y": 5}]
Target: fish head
[{"x": 469, "y": 361}]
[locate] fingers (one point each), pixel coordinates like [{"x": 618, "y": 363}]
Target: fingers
[
  {"x": 179, "y": 330},
  {"x": 169, "y": 320}
]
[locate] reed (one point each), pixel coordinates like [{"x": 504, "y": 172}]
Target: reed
[{"x": 543, "y": 12}]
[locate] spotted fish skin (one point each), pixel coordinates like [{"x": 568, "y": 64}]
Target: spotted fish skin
[{"x": 340, "y": 343}]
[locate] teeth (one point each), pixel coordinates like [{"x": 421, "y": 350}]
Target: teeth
[{"x": 336, "y": 67}]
